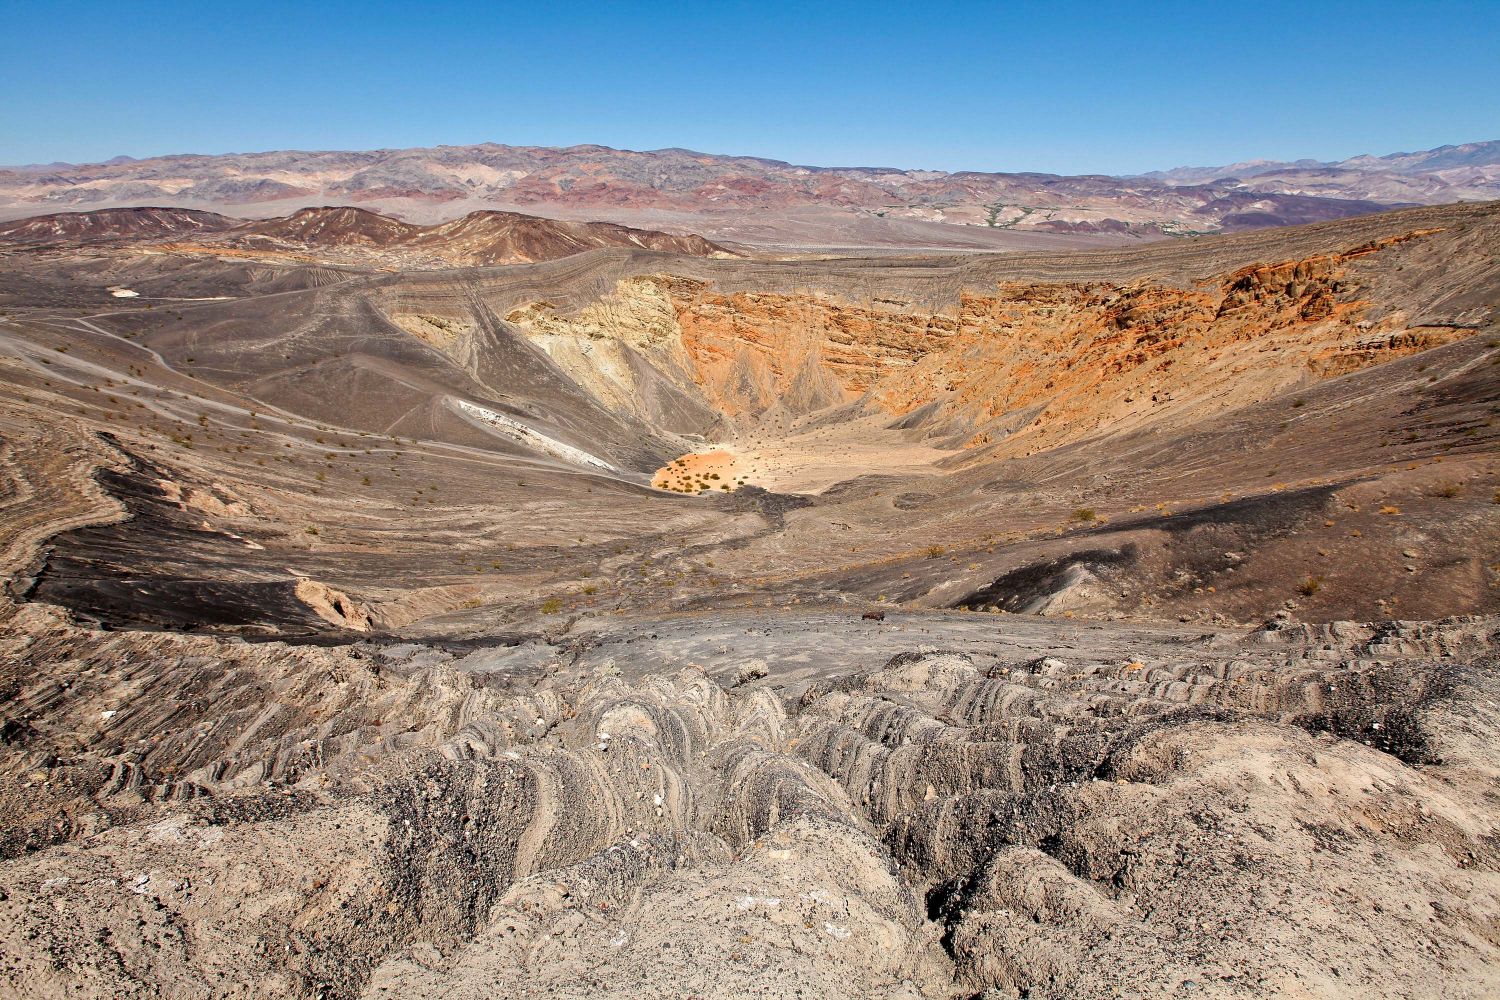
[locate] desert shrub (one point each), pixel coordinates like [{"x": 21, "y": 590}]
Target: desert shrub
[
  {"x": 551, "y": 605},
  {"x": 1310, "y": 586},
  {"x": 1084, "y": 515}
]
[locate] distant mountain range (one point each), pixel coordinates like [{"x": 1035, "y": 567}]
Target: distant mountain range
[
  {"x": 1459, "y": 173},
  {"x": 754, "y": 200}
]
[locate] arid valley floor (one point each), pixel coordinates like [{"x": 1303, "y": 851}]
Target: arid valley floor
[{"x": 437, "y": 611}]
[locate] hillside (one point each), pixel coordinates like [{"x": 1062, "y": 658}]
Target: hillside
[
  {"x": 342, "y": 235},
  {"x": 113, "y": 225}
]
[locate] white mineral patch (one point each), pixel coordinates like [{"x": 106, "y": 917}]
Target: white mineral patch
[
  {"x": 532, "y": 438},
  {"x": 751, "y": 902}
]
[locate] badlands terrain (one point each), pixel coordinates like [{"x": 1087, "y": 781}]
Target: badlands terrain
[{"x": 399, "y": 610}]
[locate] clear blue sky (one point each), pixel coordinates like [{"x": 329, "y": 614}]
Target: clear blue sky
[{"x": 1065, "y": 87}]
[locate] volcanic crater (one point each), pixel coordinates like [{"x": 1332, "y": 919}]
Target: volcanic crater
[{"x": 649, "y": 622}]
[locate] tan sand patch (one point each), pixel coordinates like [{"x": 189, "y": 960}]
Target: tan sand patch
[{"x": 702, "y": 472}]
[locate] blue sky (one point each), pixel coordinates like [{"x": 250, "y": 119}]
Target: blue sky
[{"x": 1072, "y": 88}]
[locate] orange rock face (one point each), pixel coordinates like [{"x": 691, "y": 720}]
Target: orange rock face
[
  {"x": 751, "y": 350},
  {"x": 1035, "y": 365}
]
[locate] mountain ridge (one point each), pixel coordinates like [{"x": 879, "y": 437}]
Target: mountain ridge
[
  {"x": 759, "y": 200},
  {"x": 1489, "y": 149},
  {"x": 1484, "y": 153}
]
